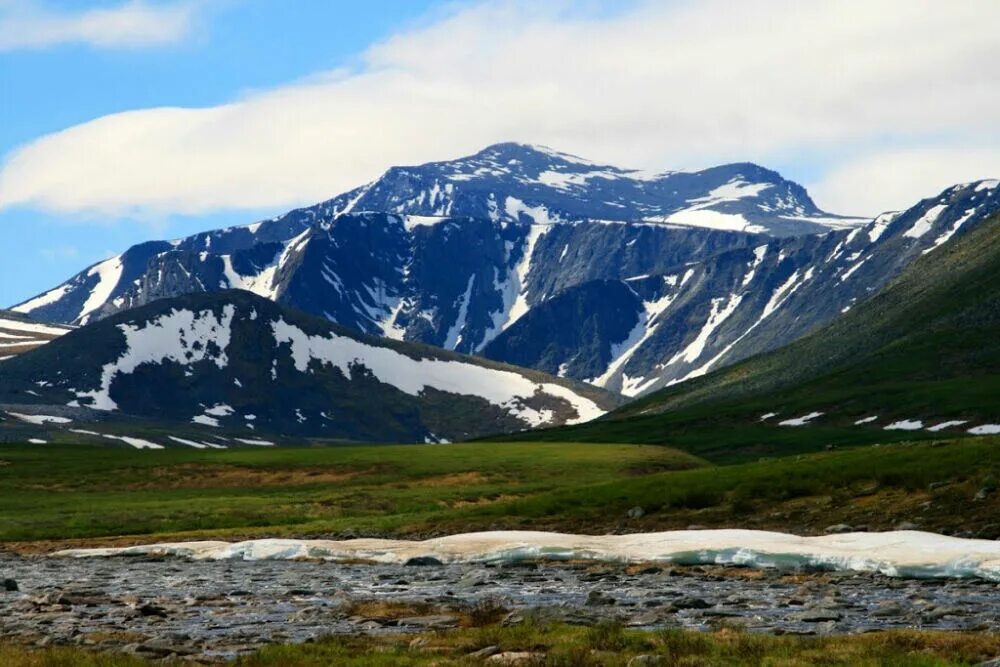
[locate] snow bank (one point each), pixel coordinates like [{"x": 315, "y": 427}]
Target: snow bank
[{"x": 898, "y": 553}]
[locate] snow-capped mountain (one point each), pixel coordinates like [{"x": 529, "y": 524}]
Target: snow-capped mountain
[
  {"x": 503, "y": 186},
  {"x": 20, "y": 334},
  {"x": 659, "y": 329},
  {"x": 235, "y": 360}
]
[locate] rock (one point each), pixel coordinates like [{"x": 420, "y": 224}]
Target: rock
[
  {"x": 513, "y": 618},
  {"x": 815, "y": 616},
  {"x": 636, "y": 513},
  {"x": 642, "y": 660},
  {"x": 151, "y": 610},
  {"x": 906, "y": 525},
  {"x": 423, "y": 561},
  {"x": 598, "y": 599},
  {"x": 484, "y": 653},
  {"x": 10, "y": 586},
  {"x": 419, "y": 643},
  {"x": 937, "y": 485},
  {"x": 837, "y": 528},
  {"x": 983, "y": 493},
  {"x": 887, "y": 609},
  {"x": 514, "y": 658},
  {"x": 433, "y": 621},
  {"x": 995, "y": 662},
  {"x": 690, "y": 603}
]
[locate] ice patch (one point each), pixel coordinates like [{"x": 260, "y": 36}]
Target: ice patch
[
  {"x": 40, "y": 419},
  {"x": 926, "y": 221},
  {"x": 181, "y": 336},
  {"x": 905, "y": 425},
  {"x": 912, "y": 554},
  {"x": 801, "y": 421},
  {"x": 255, "y": 441},
  {"x": 943, "y": 425},
  {"x": 412, "y": 376},
  {"x": 108, "y": 273}
]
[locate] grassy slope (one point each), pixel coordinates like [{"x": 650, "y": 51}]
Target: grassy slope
[
  {"x": 927, "y": 347},
  {"x": 54, "y": 492},
  {"x": 82, "y": 492}
]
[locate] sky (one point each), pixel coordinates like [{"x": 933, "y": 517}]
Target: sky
[{"x": 127, "y": 120}]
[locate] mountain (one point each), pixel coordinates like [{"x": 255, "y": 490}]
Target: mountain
[
  {"x": 656, "y": 330},
  {"x": 496, "y": 207},
  {"x": 235, "y": 360},
  {"x": 921, "y": 359},
  {"x": 20, "y": 334}
]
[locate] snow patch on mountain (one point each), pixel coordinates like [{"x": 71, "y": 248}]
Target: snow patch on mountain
[
  {"x": 413, "y": 376},
  {"x": 182, "y": 337}
]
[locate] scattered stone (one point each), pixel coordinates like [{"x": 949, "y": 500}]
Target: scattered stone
[
  {"x": 983, "y": 493},
  {"x": 636, "y": 513},
  {"x": 816, "y": 616},
  {"x": 938, "y": 485},
  {"x": 151, "y": 610},
  {"x": 599, "y": 599},
  {"x": 838, "y": 528},
  {"x": 435, "y": 621},
  {"x": 643, "y": 660},
  {"x": 483, "y": 653},
  {"x": 514, "y": 658},
  {"x": 906, "y": 525},
  {"x": 423, "y": 561},
  {"x": 419, "y": 643},
  {"x": 887, "y": 609},
  {"x": 690, "y": 603}
]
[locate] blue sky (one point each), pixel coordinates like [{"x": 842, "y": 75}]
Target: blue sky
[
  {"x": 125, "y": 120},
  {"x": 233, "y": 47}
]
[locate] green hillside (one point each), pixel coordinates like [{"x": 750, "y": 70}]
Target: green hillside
[{"x": 925, "y": 349}]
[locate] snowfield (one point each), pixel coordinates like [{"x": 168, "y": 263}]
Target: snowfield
[{"x": 896, "y": 553}]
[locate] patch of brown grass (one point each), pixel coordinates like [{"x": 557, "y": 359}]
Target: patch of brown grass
[{"x": 202, "y": 476}]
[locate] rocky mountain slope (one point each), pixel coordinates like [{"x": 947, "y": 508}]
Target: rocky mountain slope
[
  {"x": 453, "y": 253},
  {"x": 235, "y": 360},
  {"x": 643, "y": 333},
  {"x": 919, "y": 360},
  {"x": 493, "y": 213}
]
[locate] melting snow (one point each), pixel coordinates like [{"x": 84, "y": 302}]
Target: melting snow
[
  {"x": 905, "y": 425},
  {"x": 412, "y": 376},
  {"x": 943, "y": 425},
  {"x": 985, "y": 429},
  {"x": 182, "y": 337},
  {"x": 40, "y": 419},
  {"x": 926, "y": 221},
  {"x": 894, "y": 553},
  {"x": 764, "y": 417},
  {"x": 866, "y": 420},
  {"x": 108, "y": 273},
  {"x": 801, "y": 421}
]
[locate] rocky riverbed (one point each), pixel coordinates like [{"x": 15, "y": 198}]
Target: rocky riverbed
[{"x": 212, "y": 611}]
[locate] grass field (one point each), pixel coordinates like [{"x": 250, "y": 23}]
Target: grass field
[
  {"x": 85, "y": 493},
  {"x": 607, "y": 645}
]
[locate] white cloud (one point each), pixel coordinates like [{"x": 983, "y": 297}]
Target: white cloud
[
  {"x": 134, "y": 24},
  {"x": 903, "y": 176},
  {"x": 664, "y": 85}
]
